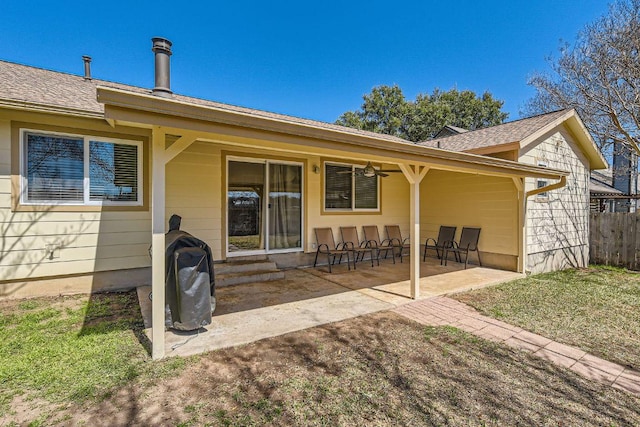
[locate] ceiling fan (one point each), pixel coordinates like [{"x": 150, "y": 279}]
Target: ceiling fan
[{"x": 369, "y": 171}]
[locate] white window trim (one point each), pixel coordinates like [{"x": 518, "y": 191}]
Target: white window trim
[
  {"x": 86, "y": 183},
  {"x": 353, "y": 166},
  {"x": 542, "y": 197},
  {"x": 267, "y": 249}
]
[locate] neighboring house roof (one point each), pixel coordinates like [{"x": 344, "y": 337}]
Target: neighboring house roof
[
  {"x": 517, "y": 134},
  {"x": 36, "y": 88},
  {"x": 601, "y": 184},
  {"x": 597, "y": 187},
  {"x": 449, "y": 130}
]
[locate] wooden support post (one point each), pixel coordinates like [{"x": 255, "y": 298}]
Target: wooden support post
[
  {"x": 157, "y": 242},
  {"x": 414, "y": 175},
  {"x": 522, "y": 224},
  {"x": 414, "y": 223}
]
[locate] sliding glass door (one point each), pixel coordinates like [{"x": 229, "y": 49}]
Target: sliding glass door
[{"x": 264, "y": 206}]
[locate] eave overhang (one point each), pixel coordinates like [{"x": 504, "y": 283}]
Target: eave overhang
[
  {"x": 13, "y": 104},
  {"x": 151, "y": 111},
  {"x": 574, "y": 124}
]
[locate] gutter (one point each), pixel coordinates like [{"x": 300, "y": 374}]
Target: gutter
[
  {"x": 44, "y": 108},
  {"x": 560, "y": 184}
]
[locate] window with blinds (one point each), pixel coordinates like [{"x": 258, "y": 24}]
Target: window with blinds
[
  {"x": 80, "y": 170},
  {"x": 347, "y": 189}
]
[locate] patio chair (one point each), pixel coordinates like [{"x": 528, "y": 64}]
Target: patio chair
[
  {"x": 327, "y": 246},
  {"x": 372, "y": 237},
  {"x": 446, "y": 237},
  {"x": 393, "y": 233},
  {"x": 468, "y": 243},
  {"x": 351, "y": 243}
]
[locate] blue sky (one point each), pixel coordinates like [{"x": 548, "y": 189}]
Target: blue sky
[{"x": 307, "y": 59}]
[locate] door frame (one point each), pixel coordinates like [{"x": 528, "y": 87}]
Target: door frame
[{"x": 263, "y": 206}]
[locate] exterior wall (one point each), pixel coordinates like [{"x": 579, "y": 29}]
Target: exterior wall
[
  {"x": 194, "y": 191},
  {"x": 491, "y": 203},
  {"x": 196, "y": 186},
  {"x": 558, "y": 225},
  {"x": 86, "y": 239},
  {"x": 394, "y": 208}
]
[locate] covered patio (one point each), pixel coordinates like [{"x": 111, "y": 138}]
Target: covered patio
[
  {"x": 309, "y": 297},
  {"x": 195, "y": 147}
]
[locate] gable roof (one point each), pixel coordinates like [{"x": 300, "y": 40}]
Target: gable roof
[
  {"x": 26, "y": 87},
  {"x": 518, "y": 133},
  {"x": 38, "y": 90},
  {"x": 495, "y": 135}
]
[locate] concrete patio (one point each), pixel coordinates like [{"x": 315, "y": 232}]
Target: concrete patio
[{"x": 309, "y": 297}]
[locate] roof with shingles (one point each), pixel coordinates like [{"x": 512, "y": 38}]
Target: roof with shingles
[
  {"x": 599, "y": 187},
  {"x": 37, "y": 89},
  {"x": 496, "y": 135},
  {"x": 22, "y": 84}
]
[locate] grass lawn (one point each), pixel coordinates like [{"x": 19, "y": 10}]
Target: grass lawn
[
  {"x": 70, "y": 361},
  {"x": 70, "y": 350},
  {"x": 596, "y": 309}
]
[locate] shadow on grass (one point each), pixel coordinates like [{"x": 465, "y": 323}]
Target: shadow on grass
[{"x": 115, "y": 311}]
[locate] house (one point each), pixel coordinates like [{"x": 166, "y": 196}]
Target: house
[
  {"x": 90, "y": 170},
  {"x": 623, "y": 177},
  {"x": 604, "y": 197}
]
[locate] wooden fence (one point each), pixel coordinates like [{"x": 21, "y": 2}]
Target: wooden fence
[{"x": 615, "y": 239}]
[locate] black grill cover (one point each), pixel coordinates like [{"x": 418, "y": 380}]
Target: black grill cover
[{"x": 189, "y": 279}]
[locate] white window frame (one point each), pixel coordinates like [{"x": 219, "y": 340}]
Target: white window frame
[
  {"x": 542, "y": 197},
  {"x": 353, "y": 189},
  {"x": 86, "y": 181},
  {"x": 265, "y": 207}
]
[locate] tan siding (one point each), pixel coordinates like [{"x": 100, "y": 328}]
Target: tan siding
[
  {"x": 194, "y": 191},
  {"x": 5, "y": 185},
  {"x": 450, "y": 198},
  {"x": 74, "y": 267},
  {"x": 5, "y": 149},
  {"x": 561, "y": 220},
  {"x": 88, "y": 241},
  {"x": 394, "y": 209}
]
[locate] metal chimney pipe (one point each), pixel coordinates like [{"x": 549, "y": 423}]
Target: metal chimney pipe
[
  {"x": 87, "y": 67},
  {"x": 162, "y": 49}
]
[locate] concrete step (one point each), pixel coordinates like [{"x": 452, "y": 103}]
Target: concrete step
[
  {"x": 238, "y": 278},
  {"x": 259, "y": 257},
  {"x": 243, "y": 266}
]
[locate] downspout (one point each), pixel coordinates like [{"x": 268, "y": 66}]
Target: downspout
[
  {"x": 559, "y": 184},
  {"x": 522, "y": 223}
]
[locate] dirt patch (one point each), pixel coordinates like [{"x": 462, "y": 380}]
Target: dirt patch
[{"x": 379, "y": 369}]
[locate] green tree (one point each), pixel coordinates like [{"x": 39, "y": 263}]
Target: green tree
[
  {"x": 386, "y": 110},
  {"x": 599, "y": 76}
]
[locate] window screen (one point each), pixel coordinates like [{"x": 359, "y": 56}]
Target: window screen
[
  {"x": 346, "y": 188},
  {"x": 338, "y": 187},
  {"x": 366, "y": 192},
  {"x": 113, "y": 171},
  {"x": 54, "y": 168}
]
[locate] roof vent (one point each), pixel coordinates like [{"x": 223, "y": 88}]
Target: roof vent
[
  {"x": 162, "y": 49},
  {"x": 87, "y": 67}
]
